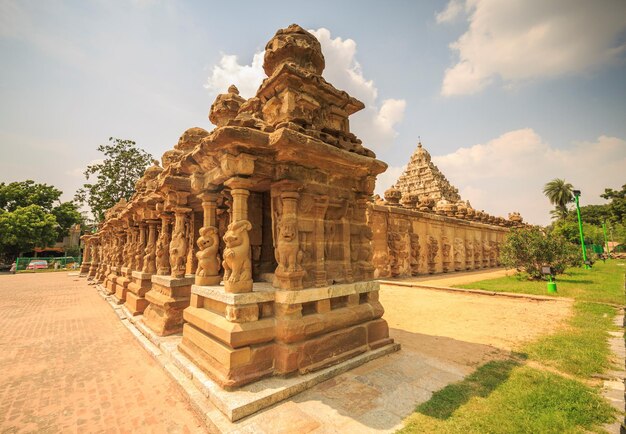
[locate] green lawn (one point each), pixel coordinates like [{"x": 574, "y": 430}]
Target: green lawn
[
  {"x": 526, "y": 400},
  {"x": 603, "y": 283},
  {"x": 581, "y": 348},
  {"x": 509, "y": 396}
]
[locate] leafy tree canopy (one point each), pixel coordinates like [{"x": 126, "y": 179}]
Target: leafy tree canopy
[
  {"x": 66, "y": 215},
  {"x": 528, "y": 249},
  {"x": 25, "y": 228},
  {"x": 25, "y": 193},
  {"x": 115, "y": 177},
  {"x": 617, "y": 206}
]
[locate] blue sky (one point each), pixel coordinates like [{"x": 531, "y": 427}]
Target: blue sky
[{"x": 505, "y": 95}]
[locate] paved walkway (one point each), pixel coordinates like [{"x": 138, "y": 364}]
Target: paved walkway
[{"x": 69, "y": 365}]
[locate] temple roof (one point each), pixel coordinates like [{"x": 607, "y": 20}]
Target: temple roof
[{"x": 423, "y": 178}]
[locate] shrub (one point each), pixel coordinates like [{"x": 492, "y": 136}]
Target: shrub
[{"x": 529, "y": 248}]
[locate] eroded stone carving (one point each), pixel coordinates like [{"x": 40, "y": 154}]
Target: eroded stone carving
[
  {"x": 459, "y": 254},
  {"x": 415, "y": 253},
  {"x": 433, "y": 249},
  {"x": 208, "y": 257},
  {"x": 237, "y": 265}
]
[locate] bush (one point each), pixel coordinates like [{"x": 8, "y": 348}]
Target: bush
[{"x": 529, "y": 248}]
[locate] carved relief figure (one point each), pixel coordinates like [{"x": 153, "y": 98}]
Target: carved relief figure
[
  {"x": 445, "y": 250},
  {"x": 396, "y": 252},
  {"x": 162, "y": 251},
  {"x": 477, "y": 253},
  {"x": 329, "y": 237},
  {"x": 149, "y": 264},
  {"x": 208, "y": 258},
  {"x": 289, "y": 254},
  {"x": 486, "y": 253},
  {"x": 237, "y": 264},
  {"x": 178, "y": 248},
  {"x": 459, "y": 256},
  {"x": 415, "y": 253},
  {"x": 433, "y": 249},
  {"x": 493, "y": 253},
  {"x": 469, "y": 254}
]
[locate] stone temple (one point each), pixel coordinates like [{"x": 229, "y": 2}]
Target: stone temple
[
  {"x": 258, "y": 242},
  {"x": 423, "y": 178}
]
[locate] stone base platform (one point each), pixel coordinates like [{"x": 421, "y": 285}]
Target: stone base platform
[
  {"x": 110, "y": 280},
  {"x": 207, "y": 397},
  {"x": 139, "y": 286},
  {"x": 121, "y": 285},
  {"x": 168, "y": 298}
]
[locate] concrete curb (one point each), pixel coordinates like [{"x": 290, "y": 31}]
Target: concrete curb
[{"x": 477, "y": 291}]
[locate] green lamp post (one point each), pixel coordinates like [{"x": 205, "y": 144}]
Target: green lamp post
[
  {"x": 606, "y": 241},
  {"x": 580, "y": 229}
]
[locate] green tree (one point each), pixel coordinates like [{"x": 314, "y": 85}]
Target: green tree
[
  {"x": 25, "y": 193},
  {"x": 66, "y": 215},
  {"x": 529, "y": 248},
  {"x": 25, "y": 228},
  {"x": 559, "y": 193},
  {"x": 617, "y": 206},
  {"x": 115, "y": 177}
]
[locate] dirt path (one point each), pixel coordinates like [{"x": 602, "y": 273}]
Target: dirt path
[{"x": 417, "y": 316}]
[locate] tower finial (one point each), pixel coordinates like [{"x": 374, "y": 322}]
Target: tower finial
[{"x": 419, "y": 141}]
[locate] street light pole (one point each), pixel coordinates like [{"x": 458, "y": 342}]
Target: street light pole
[
  {"x": 580, "y": 229},
  {"x": 606, "y": 241}
]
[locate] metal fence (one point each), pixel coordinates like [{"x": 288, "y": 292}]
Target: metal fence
[{"x": 48, "y": 263}]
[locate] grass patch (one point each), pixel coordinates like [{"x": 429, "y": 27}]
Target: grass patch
[
  {"x": 529, "y": 401},
  {"x": 511, "y": 397},
  {"x": 481, "y": 383},
  {"x": 582, "y": 348},
  {"x": 45, "y": 270},
  {"x": 603, "y": 283}
]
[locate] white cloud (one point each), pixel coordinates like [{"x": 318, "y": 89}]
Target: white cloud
[
  {"x": 375, "y": 124},
  {"x": 451, "y": 12},
  {"x": 518, "y": 40},
  {"x": 508, "y": 173},
  {"x": 247, "y": 78}
]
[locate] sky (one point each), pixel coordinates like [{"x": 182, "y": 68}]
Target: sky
[{"x": 505, "y": 95}]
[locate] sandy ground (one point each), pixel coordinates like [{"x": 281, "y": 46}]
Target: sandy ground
[
  {"x": 418, "y": 317},
  {"x": 69, "y": 365}
]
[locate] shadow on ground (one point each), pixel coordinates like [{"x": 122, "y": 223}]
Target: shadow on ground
[{"x": 478, "y": 384}]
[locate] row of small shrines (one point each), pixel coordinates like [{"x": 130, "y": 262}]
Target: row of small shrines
[{"x": 460, "y": 210}]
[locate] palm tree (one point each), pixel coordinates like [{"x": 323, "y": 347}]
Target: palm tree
[{"x": 559, "y": 193}]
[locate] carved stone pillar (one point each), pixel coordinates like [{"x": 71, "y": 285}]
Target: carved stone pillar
[
  {"x": 319, "y": 243},
  {"x": 149, "y": 260},
  {"x": 178, "y": 244},
  {"x": 208, "y": 243},
  {"x": 122, "y": 282},
  {"x": 289, "y": 272},
  {"x": 237, "y": 264},
  {"x": 140, "y": 283},
  {"x": 170, "y": 294},
  {"x": 163, "y": 246},
  {"x": 86, "y": 263},
  {"x": 95, "y": 258},
  {"x": 140, "y": 247}
]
